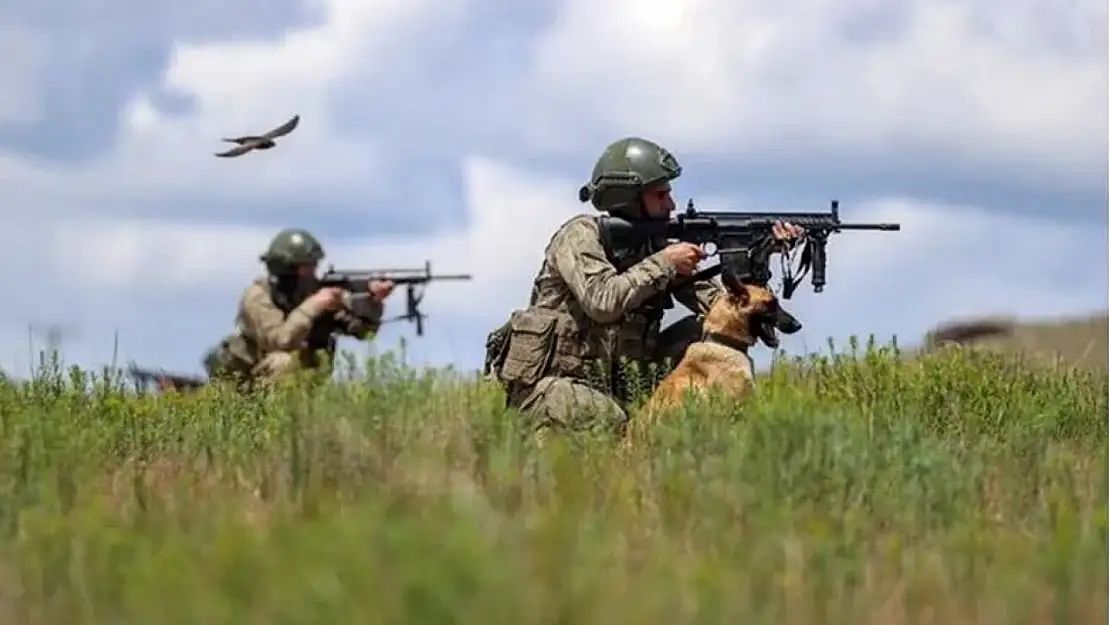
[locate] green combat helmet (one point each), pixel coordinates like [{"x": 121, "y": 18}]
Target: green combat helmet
[
  {"x": 292, "y": 247},
  {"x": 624, "y": 170}
]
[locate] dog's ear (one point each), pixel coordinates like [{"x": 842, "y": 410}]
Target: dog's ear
[
  {"x": 741, "y": 296},
  {"x": 744, "y": 295},
  {"x": 734, "y": 286}
]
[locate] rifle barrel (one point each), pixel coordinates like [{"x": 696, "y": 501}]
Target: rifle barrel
[
  {"x": 807, "y": 220},
  {"x": 360, "y": 272},
  {"x": 886, "y": 227},
  {"x": 397, "y": 274},
  {"x": 406, "y": 279}
]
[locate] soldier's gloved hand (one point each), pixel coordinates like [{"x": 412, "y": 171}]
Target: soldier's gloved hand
[
  {"x": 380, "y": 289},
  {"x": 327, "y": 298},
  {"x": 684, "y": 256}
]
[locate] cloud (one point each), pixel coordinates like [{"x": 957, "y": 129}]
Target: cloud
[
  {"x": 202, "y": 268},
  {"x": 1022, "y": 90},
  {"x": 238, "y": 87},
  {"x": 947, "y": 262},
  {"x": 148, "y": 254},
  {"x": 458, "y": 133},
  {"x": 511, "y": 213},
  {"x": 19, "y": 75}
]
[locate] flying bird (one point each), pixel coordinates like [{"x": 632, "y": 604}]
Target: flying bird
[{"x": 262, "y": 142}]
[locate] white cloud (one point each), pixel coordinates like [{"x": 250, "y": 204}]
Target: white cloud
[
  {"x": 240, "y": 87},
  {"x": 20, "y": 74},
  {"x": 510, "y": 215},
  {"x": 991, "y": 90},
  {"x": 1024, "y": 85},
  {"x": 946, "y": 262},
  {"x": 126, "y": 255}
]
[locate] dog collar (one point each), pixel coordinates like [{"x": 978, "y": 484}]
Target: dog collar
[{"x": 727, "y": 341}]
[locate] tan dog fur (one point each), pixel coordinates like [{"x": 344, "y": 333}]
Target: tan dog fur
[{"x": 711, "y": 365}]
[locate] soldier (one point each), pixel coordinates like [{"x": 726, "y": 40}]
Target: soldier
[
  {"x": 593, "y": 308},
  {"x": 285, "y": 318}
]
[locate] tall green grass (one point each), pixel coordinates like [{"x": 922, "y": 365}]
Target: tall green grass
[{"x": 957, "y": 488}]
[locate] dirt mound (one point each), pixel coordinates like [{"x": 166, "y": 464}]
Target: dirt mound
[{"x": 1078, "y": 341}]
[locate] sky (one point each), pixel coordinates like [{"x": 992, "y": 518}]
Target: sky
[{"x": 459, "y": 131}]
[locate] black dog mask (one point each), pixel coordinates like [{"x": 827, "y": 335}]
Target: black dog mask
[{"x": 763, "y": 323}]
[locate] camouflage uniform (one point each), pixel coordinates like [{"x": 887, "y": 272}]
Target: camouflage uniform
[
  {"x": 593, "y": 307},
  {"x": 278, "y": 328}
]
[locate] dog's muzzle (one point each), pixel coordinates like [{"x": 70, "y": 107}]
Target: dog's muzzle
[{"x": 777, "y": 320}]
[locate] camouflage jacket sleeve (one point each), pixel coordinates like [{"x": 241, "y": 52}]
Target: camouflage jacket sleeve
[
  {"x": 698, "y": 296},
  {"x": 361, "y": 316},
  {"x": 270, "y": 329},
  {"x": 577, "y": 255}
]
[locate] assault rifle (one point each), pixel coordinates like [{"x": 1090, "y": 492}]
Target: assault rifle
[
  {"x": 355, "y": 280},
  {"x": 164, "y": 381},
  {"x": 743, "y": 241}
]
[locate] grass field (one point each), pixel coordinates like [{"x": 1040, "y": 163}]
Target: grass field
[{"x": 958, "y": 488}]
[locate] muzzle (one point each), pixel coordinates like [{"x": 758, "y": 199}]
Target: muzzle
[{"x": 768, "y": 323}]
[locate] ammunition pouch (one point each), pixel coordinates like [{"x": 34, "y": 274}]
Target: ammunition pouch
[{"x": 533, "y": 344}]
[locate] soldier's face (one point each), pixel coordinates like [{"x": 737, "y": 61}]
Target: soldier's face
[
  {"x": 306, "y": 270},
  {"x": 658, "y": 203}
]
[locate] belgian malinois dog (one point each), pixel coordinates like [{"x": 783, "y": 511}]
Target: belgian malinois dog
[{"x": 739, "y": 318}]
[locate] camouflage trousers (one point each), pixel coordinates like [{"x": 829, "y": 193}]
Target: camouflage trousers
[
  {"x": 220, "y": 363},
  {"x": 569, "y": 405},
  {"x": 276, "y": 364}
]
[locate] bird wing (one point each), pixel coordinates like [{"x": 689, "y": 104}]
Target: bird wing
[
  {"x": 237, "y": 150},
  {"x": 283, "y": 129}
]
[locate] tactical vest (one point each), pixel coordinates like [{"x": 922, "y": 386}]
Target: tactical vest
[
  {"x": 555, "y": 337},
  {"x": 320, "y": 337},
  {"x": 237, "y": 353}
]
